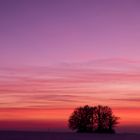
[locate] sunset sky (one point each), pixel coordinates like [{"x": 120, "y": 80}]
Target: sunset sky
[{"x": 56, "y": 55}]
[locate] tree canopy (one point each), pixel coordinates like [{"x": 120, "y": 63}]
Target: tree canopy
[{"x": 98, "y": 119}]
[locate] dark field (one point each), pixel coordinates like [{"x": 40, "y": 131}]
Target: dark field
[{"x": 15, "y": 135}]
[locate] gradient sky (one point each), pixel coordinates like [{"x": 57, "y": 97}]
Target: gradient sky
[{"x": 57, "y": 55}]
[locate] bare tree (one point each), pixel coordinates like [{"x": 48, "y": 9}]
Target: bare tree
[
  {"x": 81, "y": 119},
  {"x": 99, "y": 119},
  {"x": 104, "y": 119}
]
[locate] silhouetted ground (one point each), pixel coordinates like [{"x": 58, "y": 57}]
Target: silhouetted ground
[{"x": 15, "y": 135}]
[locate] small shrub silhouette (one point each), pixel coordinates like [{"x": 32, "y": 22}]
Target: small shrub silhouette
[{"x": 87, "y": 119}]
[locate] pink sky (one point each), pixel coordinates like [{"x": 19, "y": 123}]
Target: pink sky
[{"x": 57, "y": 55}]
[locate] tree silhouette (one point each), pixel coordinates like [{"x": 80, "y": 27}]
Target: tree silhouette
[
  {"x": 104, "y": 119},
  {"x": 99, "y": 119},
  {"x": 81, "y": 119}
]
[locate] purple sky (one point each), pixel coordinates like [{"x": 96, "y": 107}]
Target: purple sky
[{"x": 46, "y": 32}]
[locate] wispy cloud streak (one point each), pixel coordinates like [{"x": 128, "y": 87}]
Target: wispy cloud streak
[{"x": 71, "y": 84}]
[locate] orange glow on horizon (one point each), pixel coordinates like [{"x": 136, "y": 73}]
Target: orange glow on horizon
[{"x": 55, "y": 118}]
